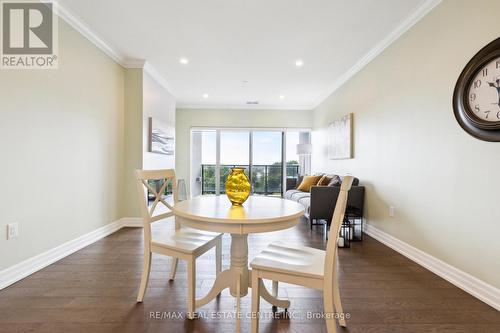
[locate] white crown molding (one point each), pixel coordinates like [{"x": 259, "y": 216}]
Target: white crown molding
[
  {"x": 404, "y": 26},
  {"x": 118, "y": 56},
  {"x": 25, "y": 268},
  {"x": 134, "y": 63},
  {"x": 262, "y": 107},
  {"x": 77, "y": 24},
  {"x": 151, "y": 71},
  {"x": 470, "y": 284}
]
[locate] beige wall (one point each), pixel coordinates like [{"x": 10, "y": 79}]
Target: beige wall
[
  {"x": 188, "y": 118},
  {"x": 144, "y": 98},
  {"x": 133, "y": 138},
  {"x": 409, "y": 150},
  {"x": 62, "y": 151}
]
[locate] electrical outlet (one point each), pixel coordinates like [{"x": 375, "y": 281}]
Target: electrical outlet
[
  {"x": 12, "y": 231},
  {"x": 391, "y": 211}
]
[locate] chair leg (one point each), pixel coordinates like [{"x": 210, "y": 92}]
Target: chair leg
[
  {"x": 191, "y": 273},
  {"x": 338, "y": 303},
  {"x": 218, "y": 257},
  {"x": 255, "y": 301},
  {"x": 275, "y": 289},
  {"x": 331, "y": 325},
  {"x": 145, "y": 275},
  {"x": 275, "y": 294},
  {"x": 311, "y": 223},
  {"x": 336, "y": 296},
  {"x": 173, "y": 269}
]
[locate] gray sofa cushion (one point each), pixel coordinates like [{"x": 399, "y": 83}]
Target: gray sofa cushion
[
  {"x": 306, "y": 202},
  {"x": 299, "y": 195},
  {"x": 290, "y": 193}
]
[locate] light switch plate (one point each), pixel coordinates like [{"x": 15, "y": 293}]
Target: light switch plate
[
  {"x": 391, "y": 211},
  {"x": 12, "y": 231}
]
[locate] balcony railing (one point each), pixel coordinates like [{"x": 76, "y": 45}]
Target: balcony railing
[{"x": 265, "y": 179}]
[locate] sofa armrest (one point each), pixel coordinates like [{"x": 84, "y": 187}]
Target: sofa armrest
[
  {"x": 356, "y": 201},
  {"x": 324, "y": 199}
]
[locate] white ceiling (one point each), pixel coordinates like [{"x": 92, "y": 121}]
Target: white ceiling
[{"x": 228, "y": 42}]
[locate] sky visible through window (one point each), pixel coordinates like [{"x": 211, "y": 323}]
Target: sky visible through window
[{"x": 235, "y": 147}]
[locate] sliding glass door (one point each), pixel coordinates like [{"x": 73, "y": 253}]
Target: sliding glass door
[
  {"x": 261, "y": 152},
  {"x": 267, "y": 162}
]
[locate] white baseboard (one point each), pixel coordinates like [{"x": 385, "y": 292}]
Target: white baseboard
[
  {"x": 131, "y": 222},
  {"x": 21, "y": 270},
  {"x": 470, "y": 284}
]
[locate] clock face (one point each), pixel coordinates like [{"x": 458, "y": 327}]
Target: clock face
[{"x": 484, "y": 93}]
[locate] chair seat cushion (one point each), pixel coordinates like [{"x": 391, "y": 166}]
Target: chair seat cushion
[
  {"x": 185, "y": 239},
  {"x": 291, "y": 259}
]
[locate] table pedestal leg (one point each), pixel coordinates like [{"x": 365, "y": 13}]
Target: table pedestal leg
[
  {"x": 238, "y": 272},
  {"x": 239, "y": 264}
]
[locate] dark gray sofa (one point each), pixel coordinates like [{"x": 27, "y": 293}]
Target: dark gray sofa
[{"x": 320, "y": 202}]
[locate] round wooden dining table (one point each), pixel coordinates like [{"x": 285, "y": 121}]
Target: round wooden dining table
[{"x": 258, "y": 214}]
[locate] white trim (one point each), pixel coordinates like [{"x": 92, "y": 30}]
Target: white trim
[
  {"x": 155, "y": 75},
  {"x": 134, "y": 63},
  {"x": 77, "y": 24},
  {"x": 21, "y": 270},
  {"x": 252, "y": 107},
  {"x": 470, "y": 284},
  {"x": 118, "y": 56},
  {"x": 404, "y": 26},
  {"x": 131, "y": 222},
  {"x": 25, "y": 268},
  {"x": 233, "y": 128}
]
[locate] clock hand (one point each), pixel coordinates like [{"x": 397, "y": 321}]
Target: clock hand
[
  {"x": 497, "y": 87},
  {"x": 498, "y": 91}
]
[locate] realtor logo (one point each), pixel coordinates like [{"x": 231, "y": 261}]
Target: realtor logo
[{"x": 29, "y": 35}]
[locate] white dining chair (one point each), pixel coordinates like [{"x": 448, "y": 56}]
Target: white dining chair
[
  {"x": 305, "y": 266},
  {"x": 179, "y": 243}
]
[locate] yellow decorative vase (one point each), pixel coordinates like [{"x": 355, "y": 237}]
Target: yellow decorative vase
[{"x": 238, "y": 186}]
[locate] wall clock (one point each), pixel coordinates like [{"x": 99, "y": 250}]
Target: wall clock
[{"x": 476, "y": 99}]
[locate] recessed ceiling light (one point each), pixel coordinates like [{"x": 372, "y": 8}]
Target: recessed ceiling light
[
  {"x": 205, "y": 95},
  {"x": 299, "y": 63},
  {"x": 184, "y": 61},
  {"x": 282, "y": 96}
]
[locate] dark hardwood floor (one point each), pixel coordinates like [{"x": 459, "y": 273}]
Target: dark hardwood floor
[{"x": 94, "y": 290}]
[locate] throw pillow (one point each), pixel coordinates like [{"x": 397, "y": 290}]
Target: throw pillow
[
  {"x": 307, "y": 182},
  {"x": 336, "y": 181},
  {"x": 323, "y": 181}
]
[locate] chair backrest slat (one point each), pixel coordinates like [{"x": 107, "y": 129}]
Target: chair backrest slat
[
  {"x": 143, "y": 178},
  {"x": 333, "y": 235}
]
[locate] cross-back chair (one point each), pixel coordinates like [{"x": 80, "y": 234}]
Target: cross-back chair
[
  {"x": 180, "y": 242},
  {"x": 305, "y": 266}
]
